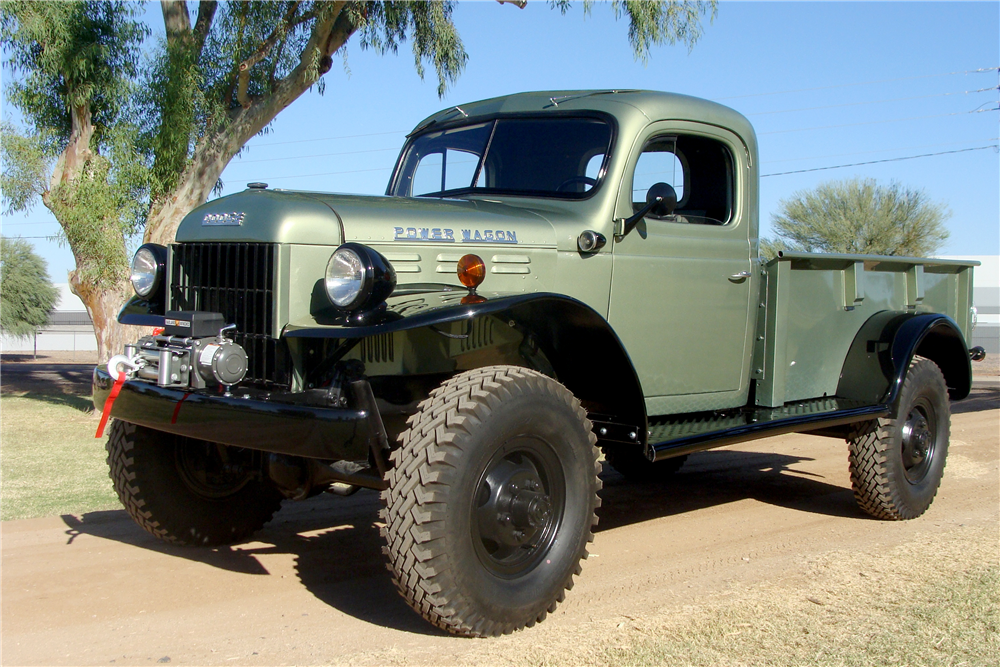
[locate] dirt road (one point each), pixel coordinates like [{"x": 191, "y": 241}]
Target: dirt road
[{"x": 95, "y": 589}]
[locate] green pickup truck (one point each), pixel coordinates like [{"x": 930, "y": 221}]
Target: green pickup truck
[{"x": 549, "y": 277}]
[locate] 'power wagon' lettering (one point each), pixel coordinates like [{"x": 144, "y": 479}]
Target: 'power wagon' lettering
[{"x": 442, "y": 235}]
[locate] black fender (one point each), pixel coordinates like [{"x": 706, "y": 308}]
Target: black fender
[
  {"x": 141, "y": 312},
  {"x": 585, "y": 353},
  {"x": 883, "y": 348}
]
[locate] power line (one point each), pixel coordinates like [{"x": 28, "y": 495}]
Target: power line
[
  {"x": 345, "y": 136},
  {"x": 305, "y": 157},
  {"x": 800, "y": 171},
  {"x": 894, "y": 159},
  {"x": 731, "y": 97},
  {"x": 880, "y": 150},
  {"x": 874, "y": 122},
  {"x": 861, "y": 83},
  {"x": 898, "y": 99},
  {"x": 329, "y": 173}
]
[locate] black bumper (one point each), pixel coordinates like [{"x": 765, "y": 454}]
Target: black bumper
[{"x": 270, "y": 426}]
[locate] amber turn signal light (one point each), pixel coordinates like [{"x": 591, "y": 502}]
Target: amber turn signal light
[{"x": 471, "y": 271}]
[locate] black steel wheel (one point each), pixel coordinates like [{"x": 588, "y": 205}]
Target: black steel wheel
[
  {"x": 629, "y": 461},
  {"x": 897, "y": 462},
  {"x": 188, "y": 492},
  {"x": 491, "y": 501}
]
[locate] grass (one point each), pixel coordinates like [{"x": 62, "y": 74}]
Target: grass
[
  {"x": 930, "y": 602},
  {"x": 50, "y": 462}
]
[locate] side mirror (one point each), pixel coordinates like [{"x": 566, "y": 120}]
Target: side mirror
[{"x": 663, "y": 198}]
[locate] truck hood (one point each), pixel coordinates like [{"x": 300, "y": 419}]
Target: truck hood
[{"x": 316, "y": 218}]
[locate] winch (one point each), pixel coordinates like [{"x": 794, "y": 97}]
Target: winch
[{"x": 194, "y": 351}]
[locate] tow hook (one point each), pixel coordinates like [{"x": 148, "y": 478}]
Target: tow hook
[{"x": 121, "y": 363}]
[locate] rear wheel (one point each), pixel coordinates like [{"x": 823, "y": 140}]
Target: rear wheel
[
  {"x": 897, "y": 462},
  {"x": 185, "y": 491},
  {"x": 491, "y": 501}
]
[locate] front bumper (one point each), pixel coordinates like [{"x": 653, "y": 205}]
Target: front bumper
[{"x": 270, "y": 426}]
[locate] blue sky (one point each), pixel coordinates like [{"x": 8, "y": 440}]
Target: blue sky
[{"x": 825, "y": 84}]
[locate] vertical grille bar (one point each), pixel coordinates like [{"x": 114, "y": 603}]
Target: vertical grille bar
[{"x": 237, "y": 280}]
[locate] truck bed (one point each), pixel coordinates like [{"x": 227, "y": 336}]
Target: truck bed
[{"x": 815, "y": 305}]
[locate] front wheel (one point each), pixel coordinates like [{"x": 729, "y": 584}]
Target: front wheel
[
  {"x": 491, "y": 501},
  {"x": 188, "y": 492},
  {"x": 897, "y": 462}
]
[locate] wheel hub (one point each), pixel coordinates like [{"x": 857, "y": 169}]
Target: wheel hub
[
  {"x": 206, "y": 469},
  {"x": 515, "y": 513},
  {"x": 918, "y": 444}
]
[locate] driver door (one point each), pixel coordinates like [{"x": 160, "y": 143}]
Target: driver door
[{"x": 682, "y": 283}]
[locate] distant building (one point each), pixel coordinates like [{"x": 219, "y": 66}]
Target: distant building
[
  {"x": 70, "y": 328},
  {"x": 986, "y": 297}
]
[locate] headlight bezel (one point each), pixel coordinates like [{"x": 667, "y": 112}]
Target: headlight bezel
[
  {"x": 377, "y": 282},
  {"x": 158, "y": 256}
]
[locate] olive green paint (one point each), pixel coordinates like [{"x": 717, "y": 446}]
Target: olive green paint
[{"x": 697, "y": 312}]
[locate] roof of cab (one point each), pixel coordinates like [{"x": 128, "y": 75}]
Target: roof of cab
[{"x": 627, "y": 106}]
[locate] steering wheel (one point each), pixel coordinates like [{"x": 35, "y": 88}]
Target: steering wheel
[{"x": 573, "y": 180}]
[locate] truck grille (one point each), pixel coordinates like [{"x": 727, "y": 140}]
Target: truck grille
[{"x": 237, "y": 280}]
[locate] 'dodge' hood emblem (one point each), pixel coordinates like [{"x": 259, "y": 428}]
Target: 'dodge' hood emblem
[{"x": 233, "y": 219}]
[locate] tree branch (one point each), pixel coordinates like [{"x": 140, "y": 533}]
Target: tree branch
[
  {"x": 176, "y": 19},
  {"x": 206, "y": 12},
  {"x": 273, "y": 38}
]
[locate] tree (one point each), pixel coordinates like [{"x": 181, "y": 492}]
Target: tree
[
  {"x": 78, "y": 62},
  {"x": 132, "y": 156},
  {"x": 859, "y": 216},
  {"x": 26, "y": 293}
]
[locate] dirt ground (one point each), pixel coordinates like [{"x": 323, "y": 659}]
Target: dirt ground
[{"x": 95, "y": 589}]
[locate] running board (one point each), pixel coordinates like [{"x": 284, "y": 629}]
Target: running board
[{"x": 675, "y": 437}]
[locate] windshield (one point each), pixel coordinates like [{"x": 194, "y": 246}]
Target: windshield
[{"x": 550, "y": 157}]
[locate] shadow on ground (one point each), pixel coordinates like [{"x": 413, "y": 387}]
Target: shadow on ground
[
  {"x": 46, "y": 378},
  {"x": 979, "y": 399},
  {"x": 76, "y": 401},
  {"x": 338, "y": 551}
]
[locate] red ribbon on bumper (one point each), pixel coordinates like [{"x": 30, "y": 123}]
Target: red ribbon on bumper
[{"x": 115, "y": 389}]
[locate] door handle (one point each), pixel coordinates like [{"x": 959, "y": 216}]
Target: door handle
[{"x": 739, "y": 277}]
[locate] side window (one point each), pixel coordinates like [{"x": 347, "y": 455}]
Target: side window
[
  {"x": 700, "y": 169},
  {"x": 658, "y": 163}
]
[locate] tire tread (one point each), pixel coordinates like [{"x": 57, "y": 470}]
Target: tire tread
[
  {"x": 428, "y": 455},
  {"x": 869, "y": 445}
]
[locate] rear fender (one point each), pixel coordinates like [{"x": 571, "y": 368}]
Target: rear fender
[{"x": 885, "y": 345}]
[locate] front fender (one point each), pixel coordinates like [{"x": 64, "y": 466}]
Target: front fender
[{"x": 585, "y": 353}]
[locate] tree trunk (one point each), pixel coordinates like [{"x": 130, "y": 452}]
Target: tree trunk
[
  {"x": 215, "y": 150},
  {"x": 103, "y": 305}
]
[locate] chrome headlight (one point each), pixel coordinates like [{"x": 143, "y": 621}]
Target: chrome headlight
[
  {"x": 358, "y": 277},
  {"x": 148, "y": 267}
]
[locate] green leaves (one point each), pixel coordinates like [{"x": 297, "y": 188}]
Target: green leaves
[
  {"x": 384, "y": 26},
  {"x": 26, "y": 163},
  {"x": 655, "y": 22},
  {"x": 859, "y": 216},
  {"x": 66, "y": 55},
  {"x": 26, "y": 293}
]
